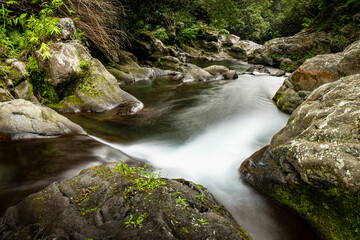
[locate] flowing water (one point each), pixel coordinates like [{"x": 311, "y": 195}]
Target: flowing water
[{"x": 199, "y": 131}]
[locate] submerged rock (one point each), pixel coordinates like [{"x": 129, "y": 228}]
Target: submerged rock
[
  {"x": 313, "y": 164},
  {"x": 22, "y": 119},
  {"x": 115, "y": 201},
  {"x": 83, "y": 81},
  {"x": 315, "y": 72}
]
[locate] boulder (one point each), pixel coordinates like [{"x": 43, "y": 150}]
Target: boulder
[
  {"x": 144, "y": 45},
  {"x": 312, "y": 165},
  {"x": 231, "y": 75},
  {"x": 83, "y": 81},
  {"x": 238, "y": 52},
  {"x": 258, "y": 69},
  {"x": 22, "y": 119},
  {"x": 67, "y": 27},
  {"x": 212, "y": 46},
  {"x": 230, "y": 40},
  {"x": 288, "y": 53},
  {"x": 5, "y": 95},
  {"x": 24, "y": 91},
  {"x": 216, "y": 70},
  {"x": 116, "y": 201},
  {"x": 248, "y": 46},
  {"x": 193, "y": 73},
  {"x": 315, "y": 72},
  {"x": 280, "y": 73},
  {"x": 13, "y": 70}
]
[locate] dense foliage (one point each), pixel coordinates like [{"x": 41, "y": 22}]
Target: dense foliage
[{"x": 257, "y": 20}]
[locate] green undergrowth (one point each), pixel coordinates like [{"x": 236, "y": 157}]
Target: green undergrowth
[{"x": 334, "y": 212}]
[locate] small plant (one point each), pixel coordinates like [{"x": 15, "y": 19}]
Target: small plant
[
  {"x": 203, "y": 221},
  {"x": 182, "y": 201},
  {"x": 201, "y": 197},
  {"x": 135, "y": 223}
]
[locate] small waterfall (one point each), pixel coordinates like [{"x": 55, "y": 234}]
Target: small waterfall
[{"x": 236, "y": 119}]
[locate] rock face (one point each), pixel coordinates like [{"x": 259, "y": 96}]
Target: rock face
[
  {"x": 22, "y": 119},
  {"x": 313, "y": 164},
  {"x": 114, "y": 201},
  {"x": 83, "y": 82},
  {"x": 316, "y": 72}
]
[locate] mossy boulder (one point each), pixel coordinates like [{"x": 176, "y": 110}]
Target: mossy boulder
[
  {"x": 315, "y": 72},
  {"x": 313, "y": 164},
  {"x": 290, "y": 52},
  {"x": 116, "y": 201},
  {"x": 82, "y": 82},
  {"x": 22, "y": 119}
]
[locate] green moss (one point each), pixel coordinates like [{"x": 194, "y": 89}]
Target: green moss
[
  {"x": 333, "y": 211},
  {"x": 42, "y": 88}
]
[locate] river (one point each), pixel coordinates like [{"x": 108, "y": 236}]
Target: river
[{"x": 197, "y": 131}]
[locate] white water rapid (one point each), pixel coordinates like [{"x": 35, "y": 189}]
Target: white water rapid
[{"x": 235, "y": 120}]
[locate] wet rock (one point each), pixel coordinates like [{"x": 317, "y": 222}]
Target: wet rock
[
  {"x": 216, "y": 70},
  {"x": 317, "y": 71},
  {"x": 108, "y": 202},
  {"x": 258, "y": 68},
  {"x": 83, "y": 81},
  {"x": 230, "y": 75},
  {"x": 280, "y": 73},
  {"x": 194, "y": 73},
  {"x": 22, "y": 119},
  {"x": 312, "y": 165},
  {"x": 67, "y": 27}
]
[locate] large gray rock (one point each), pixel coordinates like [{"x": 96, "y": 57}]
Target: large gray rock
[
  {"x": 315, "y": 72},
  {"x": 313, "y": 163},
  {"x": 110, "y": 202},
  {"x": 83, "y": 81},
  {"x": 22, "y": 119}
]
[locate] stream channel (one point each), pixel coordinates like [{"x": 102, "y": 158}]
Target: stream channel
[{"x": 197, "y": 131}]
